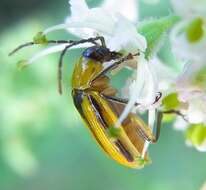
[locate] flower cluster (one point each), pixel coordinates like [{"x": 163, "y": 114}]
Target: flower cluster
[{"x": 188, "y": 39}]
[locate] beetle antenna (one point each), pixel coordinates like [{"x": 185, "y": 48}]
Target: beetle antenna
[
  {"x": 34, "y": 43},
  {"x": 92, "y": 40},
  {"x": 20, "y": 47},
  {"x": 70, "y": 44}
]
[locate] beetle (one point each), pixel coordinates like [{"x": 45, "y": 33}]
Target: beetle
[{"x": 96, "y": 101}]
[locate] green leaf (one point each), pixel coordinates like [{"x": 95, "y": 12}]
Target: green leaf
[
  {"x": 154, "y": 31},
  {"x": 195, "y": 30},
  {"x": 40, "y": 38},
  {"x": 171, "y": 101}
]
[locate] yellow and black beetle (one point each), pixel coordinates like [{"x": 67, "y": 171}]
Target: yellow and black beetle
[{"x": 98, "y": 105}]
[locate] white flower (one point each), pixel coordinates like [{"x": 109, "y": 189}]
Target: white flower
[
  {"x": 119, "y": 32},
  {"x": 192, "y": 93},
  {"x": 187, "y": 80},
  {"x": 151, "y": 77},
  {"x": 129, "y": 9},
  {"x": 190, "y": 45},
  {"x": 183, "y": 48},
  {"x": 196, "y": 112},
  {"x": 109, "y": 21}
]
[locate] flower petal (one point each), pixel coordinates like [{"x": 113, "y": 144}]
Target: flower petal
[
  {"x": 142, "y": 90},
  {"x": 126, "y": 37},
  {"x": 54, "y": 49},
  {"x": 184, "y": 49},
  {"x": 78, "y": 8},
  {"x": 85, "y": 22},
  {"x": 54, "y": 28},
  {"x": 146, "y": 83},
  {"x": 129, "y": 8},
  {"x": 196, "y": 112},
  {"x": 96, "y": 21},
  {"x": 165, "y": 75}
]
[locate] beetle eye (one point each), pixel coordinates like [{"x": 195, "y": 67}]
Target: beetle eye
[{"x": 99, "y": 53}]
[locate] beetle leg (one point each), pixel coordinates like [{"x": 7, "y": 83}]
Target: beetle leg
[
  {"x": 118, "y": 100},
  {"x": 159, "y": 117},
  {"x": 149, "y": 137},
  {"x": 116, "y": 63},
  {"x": 158, "y": 126},
  {"x": 125, "y": 101}
]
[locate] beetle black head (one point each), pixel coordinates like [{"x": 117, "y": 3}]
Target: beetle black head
[{"x": 101, "y": 54}]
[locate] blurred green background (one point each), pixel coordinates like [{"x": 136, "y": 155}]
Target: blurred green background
[{"x": 44, "y": 144}]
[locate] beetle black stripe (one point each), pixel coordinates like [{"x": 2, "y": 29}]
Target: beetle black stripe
[
  {"x": 98, "y": 111},
  {"x": 118, "y": 143},
  {"x": 78, "y": 98},
  {"x": 123, "y": 150}
]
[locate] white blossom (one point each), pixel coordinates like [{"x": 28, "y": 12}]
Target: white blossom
[
  {"x": 188, "y": 40},
  {"x": 189, "y": 10},
  {"x": 119, "y": 32},
  {"x": 129, "y": 9},
  {"x": 165, "y": 74},
  {"x": 184, "y": 49},
  {"x": 193, "y": 54},
  {"x": 192, "y": 93}
]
